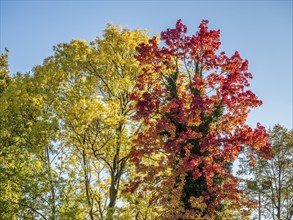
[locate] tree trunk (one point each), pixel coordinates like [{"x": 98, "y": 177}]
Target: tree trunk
[
  {"x": 87, "y": 185},
  {"x": 52, "y": 189},
  {"x": 279, "y": 189}
]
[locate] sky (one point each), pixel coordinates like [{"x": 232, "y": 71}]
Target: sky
[{"x": 260, "y": 30}]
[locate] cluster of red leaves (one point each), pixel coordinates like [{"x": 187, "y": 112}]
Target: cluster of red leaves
[{"x": 193, "y": 103}]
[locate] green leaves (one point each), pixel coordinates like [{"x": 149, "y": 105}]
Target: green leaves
[
  {"x": 271, "y": 180},
  {"x": 24, "y": 133},
  {"x": 4, "y": 71}
]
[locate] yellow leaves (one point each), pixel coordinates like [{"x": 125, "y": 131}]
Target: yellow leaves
[
  {"x": 115, "y": 58},
  {"x": 82, "y": 49},
  {"x": 198, "y": 203},
  {"x": 75, "y": 212},
  {"x": 122, "y": 37},
  {"x": 4, "y": 71},
  {"x": 78, "y": 101},
  {"x": 194, "y": 121},
  {"x": 213, "y": 127},
  {"x": 122, "y": 83},
  {"x": 37, "y": 101},
  {"x": 77, "y": 50},
  {"x": 84, "y": 111},
  {"x": 38, "y": 165},
  {"x": 5, "y": 134}
]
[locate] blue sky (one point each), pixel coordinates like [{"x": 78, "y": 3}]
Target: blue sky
[{"x": 260, "y": 30}]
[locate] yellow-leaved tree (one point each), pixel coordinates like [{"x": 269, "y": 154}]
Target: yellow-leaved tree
[
  {"x": 86, "y": 87},
  {"x": 29, "y": 185}
]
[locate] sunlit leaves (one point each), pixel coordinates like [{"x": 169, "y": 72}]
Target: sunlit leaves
[
  {"x": 86, "y": 86},
  {"x": 176, "y": 110},
  {"x": 194, "y": 102}
]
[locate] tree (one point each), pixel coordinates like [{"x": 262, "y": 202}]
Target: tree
[
  {"x": 70, "y": 127},
  {"x": 66, "y": 132},
  {"x": 26, "y": 132},
  {"x": 192, "y": 104},
  {"x": 87, "y": 88},
  {"x": 4, "y": 71},
  {"x": 272, "y": 179}
]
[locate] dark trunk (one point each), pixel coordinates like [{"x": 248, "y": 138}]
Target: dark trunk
[{"x": 87, "y": 185}]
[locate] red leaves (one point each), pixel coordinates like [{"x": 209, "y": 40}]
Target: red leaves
[
  {"x": 146, "y": 52},
  {"x": 173, "y": 37},
  {"x": 194, "y": 103},
  {"x": 145, "y": 105},
  {"x": 196, "y": 174}
]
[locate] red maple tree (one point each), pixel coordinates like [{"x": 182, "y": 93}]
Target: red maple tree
[{"x": 193, "y": 102}]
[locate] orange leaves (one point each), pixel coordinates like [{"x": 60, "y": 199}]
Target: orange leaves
[
  {"x": 196, "y": 174},
  {"x": 198, "y": 203},
  {"x": 165, "y": 127},
  {"x": 232, "y": 64},
  {"x": 172, "y": 105},
  {"x": 252, "y": 159},
  {"x": 197, "y": 102},
  {"x": 198, "y": 83},
  {"x": 256, "y": 139}
]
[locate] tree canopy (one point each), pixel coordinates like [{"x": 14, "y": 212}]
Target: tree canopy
[
  {"x": 193, "y": 103},
  {"x": 129, "y": 126},
  {"x": 270, "y": 181}
]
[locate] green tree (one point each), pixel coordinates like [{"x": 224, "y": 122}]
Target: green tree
[
  {"x": 4, "y": 71},
  {"x": 31, "y": 185},
  {"x": 25, "y": 134},
  {"x": 274, "y": 178}
]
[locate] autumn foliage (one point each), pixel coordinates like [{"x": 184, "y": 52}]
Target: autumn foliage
[
  {"x": 192, "y": 102},
  {"x": 129, "y": 127}
]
